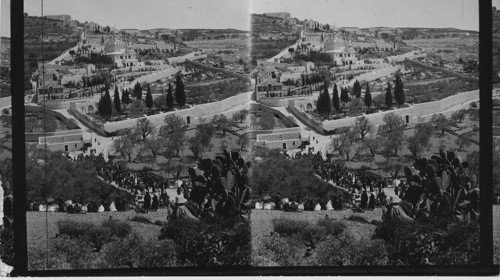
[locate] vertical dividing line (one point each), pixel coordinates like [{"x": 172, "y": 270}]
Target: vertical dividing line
[
  {"x": 45, "y": 149},
  {"x": 18, "y": 138},
  {"x": 486, "y": 135}
]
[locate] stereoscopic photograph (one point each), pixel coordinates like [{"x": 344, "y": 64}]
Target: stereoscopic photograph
[{"x": 248, "y": 134}]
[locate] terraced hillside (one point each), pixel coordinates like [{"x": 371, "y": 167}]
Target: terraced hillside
[{"x": 5, "y": 67}]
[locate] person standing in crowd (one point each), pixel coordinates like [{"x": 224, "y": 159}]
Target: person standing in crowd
[
  {"x": 364, "y": 200},
  {"x": 154, "y": 204},
  {"x": 371, "y": 202},
  {"x": 147, "y": 201}
]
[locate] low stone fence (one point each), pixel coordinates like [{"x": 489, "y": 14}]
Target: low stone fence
[
  {"x": 305, "y": 119},
  {"x": 443, "y": 70},
  {"x": 286, "y": 121},
  {"x": 73, "y": 110},
  {"x": 192, "y": 116},
  {"x": 214, "y": 69},
  {"x": 412, "y": 113}
]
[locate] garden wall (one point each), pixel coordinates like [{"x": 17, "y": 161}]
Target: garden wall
[
  {"x": 281, "y": 101},
  {"x": 191, "y": 116},
  {"x": 425, "y": 110},
  {"x": 403, "y": 57},
  {"x": 443, "y": 70},
  {"x": 214, "y": 69},
  {"x": 181, "y": 59},
  {"x": 305, "y": 119},
  {"x": 60, "y": 104},
  {"x": 74, "y": 111},
  {"x": 284, "y": 119}
]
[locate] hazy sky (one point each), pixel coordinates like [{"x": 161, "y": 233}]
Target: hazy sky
[
  {"x": 370, "y": 13},
  {"x": 145, "y": 14}
]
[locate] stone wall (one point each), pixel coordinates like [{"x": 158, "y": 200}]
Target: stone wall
[
  {"x": 443, "y": 70},
  {"x": 59, "y": 104},
  {"x": 424, "y": 110},
  {"x": 284, "y": 119},
  {"x": 74, "y": 110},
  {"x": 305, "y": 119},
  {"x": 284, "y": 101},
  {"x": 192, "y": 116},
  {"x": 403, "y": 57},
  {"x": 214, "y": 69},
  {"x": 181, "y": 59}
]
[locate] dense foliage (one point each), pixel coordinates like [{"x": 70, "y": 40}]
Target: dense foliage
[
  {"x": 328, "y": 242},
  {"x": 210, "y": 242},
  {"x": 74, "y": 180},
  {"x": 80, "y": 245},
  {"x": 292, "y": 178},
  {"x": 437, "y": 242}
]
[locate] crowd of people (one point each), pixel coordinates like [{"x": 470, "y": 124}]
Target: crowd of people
[{"x": 142, "y": 190}]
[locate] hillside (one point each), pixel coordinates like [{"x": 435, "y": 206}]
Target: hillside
[
  {"x": 57, "y": 36},
  {"x": 5, "y": 67}
]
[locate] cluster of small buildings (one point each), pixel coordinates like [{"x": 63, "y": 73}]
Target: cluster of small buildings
[
  {"x": 281, "y": 18},
  {"x": 270, "y": 76},
  {"x": 53, "y": 77}
]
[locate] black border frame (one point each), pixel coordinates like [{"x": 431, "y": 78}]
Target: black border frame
[{"x": 486, "y": 266}]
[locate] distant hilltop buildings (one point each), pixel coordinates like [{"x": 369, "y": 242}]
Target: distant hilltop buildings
[
  {"x": 281, "y": 15},
  {"x": 65, "y": 18}
]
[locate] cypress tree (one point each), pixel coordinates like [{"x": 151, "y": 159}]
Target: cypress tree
[
  {"x": 138, "y": 91},
  {"x": 101, "y": 106},
  {"x": 180, "y": 95},
  {"x": 109, "y": 104},
  {"x": 116, "y": 101},
  {"x": 368, "y": 96},
  {"x": 320, "y": 103},
  {"x": 356, "y": 89},
  {"x": 335, "y": 98},
  {"x": 388, "y": 96},
  {"x": 170, "y": 97},
  {"x": 149, "y": 98},
  {"x": 125, "y": 97},
  {"x": 399, "y": 94},
  {"x": 328, "y": 105}
]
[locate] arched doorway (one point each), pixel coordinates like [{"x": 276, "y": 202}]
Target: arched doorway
[
  {"x": 90, "y": 109},
  {"x": 309, "y": 107}
]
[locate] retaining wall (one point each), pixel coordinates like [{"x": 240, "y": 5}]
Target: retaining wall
[
  {"x": 74, "y": 111},
  {"x": 424, "y": 110},
  {"x": 191, "y": 116},
  {"x": 213, "y": 69},
  {"x": 443, "y": 70},
  {"x": 305, "y": 119}
]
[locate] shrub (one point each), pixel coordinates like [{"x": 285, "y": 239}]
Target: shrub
[
  {"x": 344, "y": 250},
  {"x": 118, "y": 228},
  {"x": 77, "y": 253},
  {"x": 333, "y": 227},
  {"x": 437, "y": 242},
  {"x": 357, "y": 218},
  {"x": 141, "y": 219},
  {"x": 38, "y": 259},
  {"x": 135, "y": 252},
  {"x": 97, "y": 236},
  {"x": 221, "y": 241},
  {"x": 283, "y": 251},
  {"x": 288, "y": 227},
  {"x": 72, "y": 228},
  {"x": 7, "y": 246}
]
